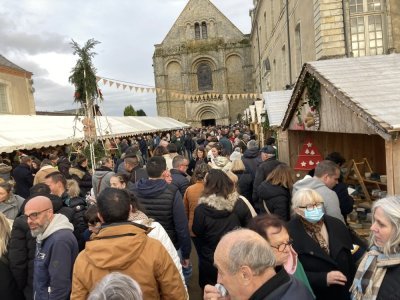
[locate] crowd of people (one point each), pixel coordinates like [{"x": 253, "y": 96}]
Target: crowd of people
[{"x": 126, "y": 229}]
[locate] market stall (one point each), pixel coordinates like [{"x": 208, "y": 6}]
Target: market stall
[
  {"x": 276, "y": 104},
  {"x": 352, "y": 106},
  {"x": 18, "y": 132}
]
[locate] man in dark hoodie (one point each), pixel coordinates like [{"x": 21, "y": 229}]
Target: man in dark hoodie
[
  {"x": 56, "y": 249},
  {"x": 163, "y": 202},
  {"x": 22, "y": 245},
  {"x": 102, "y": 175}
]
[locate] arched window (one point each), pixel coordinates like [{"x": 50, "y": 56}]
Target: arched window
[
  {"x": 197, "y": 31},
  {"x": 204, "y": 77},
  {"x": 204, "y": 30}
]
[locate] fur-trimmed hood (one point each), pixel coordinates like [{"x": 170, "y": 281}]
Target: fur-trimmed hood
[{"x": 219, "y": 202}]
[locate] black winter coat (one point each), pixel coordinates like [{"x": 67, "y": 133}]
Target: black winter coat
[
  {"x": 251, "y": 160},
  {"x": 317, "y": 263},
  {"x": 262, "y": 172},
  {"x": 277, "y": 198},
  {"x": 22, "y": 175},
  {"x": 79, "y": 207},
  {"x": 22, "y": 248},
  {"x": 345, "y": 200},
  {"x": 390, "y": 286},
  {"x": 194, "y": 163},
  {"x": 245, "y": 185},
  {"x": 213, "y": 217},
  {"x": 8, "y": 288},
  {"x": 83, "y": 178}
]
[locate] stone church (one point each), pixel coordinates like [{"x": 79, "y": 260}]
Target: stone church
[{"x": 203, "y": 68}]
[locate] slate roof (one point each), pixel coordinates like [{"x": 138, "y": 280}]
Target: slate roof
[{"x": 370, "y": 86}]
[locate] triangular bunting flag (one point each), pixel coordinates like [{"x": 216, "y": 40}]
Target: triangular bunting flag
[
  {"x": 118, "y": 85},
  {"x": 130, "y": 88},
  {"x": 141, "y": 90},
  {"x": 136, "y": 89},
  {"x": 98, "y": 78},
  {"x": 105, "y": 81},
  {"x": 111, "y": 82},
  {"x": 124, "y": 86}
]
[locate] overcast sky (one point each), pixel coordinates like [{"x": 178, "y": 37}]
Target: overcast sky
[{"x": 35, "y": 34}]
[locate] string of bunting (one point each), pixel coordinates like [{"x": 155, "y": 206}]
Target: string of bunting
[{"x": 139, "y": 88}]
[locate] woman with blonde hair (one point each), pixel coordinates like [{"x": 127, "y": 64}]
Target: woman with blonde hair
[
  {"x": 8, "y": 288},
  {"x": 378, "y": 275},
  {"x": 275, "y": 192},
  {"x": 323, "y": 244},
  {"x": 245, "y": 180}
]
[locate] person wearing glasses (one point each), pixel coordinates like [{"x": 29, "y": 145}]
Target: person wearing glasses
[
  {"x": 56, "y": 249},
  {"x": 274, "y": 230},
  {"x": 22, "y": 245},
  {"x": 326, "y": 177},
  {"x": 323, "y": 244},
  {"x": 178, "y": 172}
]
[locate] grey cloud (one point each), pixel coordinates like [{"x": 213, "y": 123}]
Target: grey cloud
[
  {"x": 30, "y": 66},
  {"x": 30, "y": 43}
]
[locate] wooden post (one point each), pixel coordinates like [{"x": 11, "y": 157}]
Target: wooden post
[
  {"x": 283, "y": 146},
  {"x": 392, "y": 149}
]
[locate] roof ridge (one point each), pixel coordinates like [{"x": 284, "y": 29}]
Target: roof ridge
[{"x": 7, "y": 63}]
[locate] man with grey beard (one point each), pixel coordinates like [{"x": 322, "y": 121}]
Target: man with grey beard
[{"x": 56, "y": 250}]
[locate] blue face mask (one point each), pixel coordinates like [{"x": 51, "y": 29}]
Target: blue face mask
[{"x": 313, "y": 216}]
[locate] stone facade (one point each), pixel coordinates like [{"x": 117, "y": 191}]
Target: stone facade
[
  {"x": 16, "y": 90},
  {"x": 203, "y": 54},
  {"x": 287, "y": 33}
]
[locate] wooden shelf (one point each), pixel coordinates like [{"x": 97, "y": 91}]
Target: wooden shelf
[{"x": 354, "y": 174}]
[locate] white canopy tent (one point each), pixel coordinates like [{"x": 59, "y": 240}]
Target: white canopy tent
[{"x": 19, "y": 132}]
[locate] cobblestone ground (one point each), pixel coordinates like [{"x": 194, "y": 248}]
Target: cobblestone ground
[{"x": 195, "y": 292}]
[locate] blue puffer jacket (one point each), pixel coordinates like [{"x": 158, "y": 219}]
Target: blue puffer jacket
[{"x": 56, "y": 251}]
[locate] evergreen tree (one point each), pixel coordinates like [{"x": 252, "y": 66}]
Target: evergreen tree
[
  {"x": 140, "y": 112},
  {"x": 83, "y": 75},
  {"x": 129, "y": 111}
]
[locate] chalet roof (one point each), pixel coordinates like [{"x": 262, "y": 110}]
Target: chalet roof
[
  {"x": 276, "y": 104},
  {"x": 6, "y": 63},
  {"x": 369, "y": 86}
]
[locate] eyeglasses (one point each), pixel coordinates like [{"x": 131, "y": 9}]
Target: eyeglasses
[
  {"x": 312, "y": 206},
  {"x": 282, "y": 247},
  {"x": 33, "y": 216}
]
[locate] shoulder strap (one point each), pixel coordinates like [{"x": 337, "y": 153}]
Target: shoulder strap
[
  {"x": 251, "y": 208},
  {"x": 99, "y": 184}
]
